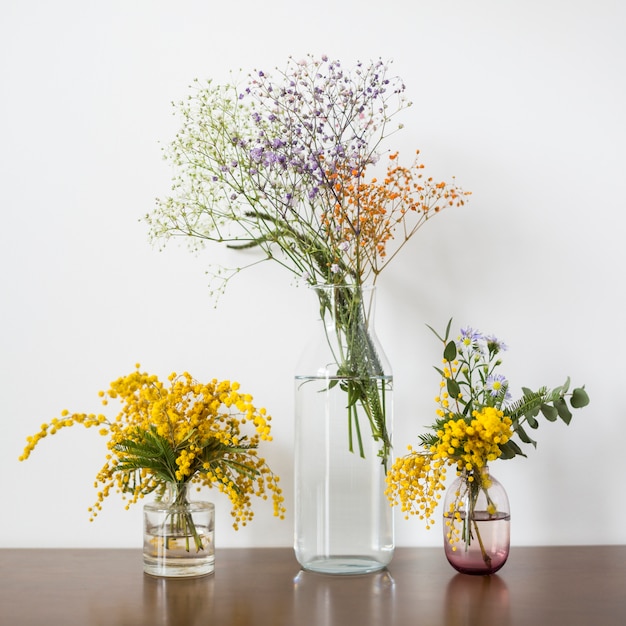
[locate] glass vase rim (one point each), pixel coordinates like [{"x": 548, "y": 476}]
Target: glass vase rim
[
  {"x": 190, "y": 505},
  {"x": 165, "y": 497},
  {"x": 172, "y": 488},
  {"x": 367, "y": 287}
]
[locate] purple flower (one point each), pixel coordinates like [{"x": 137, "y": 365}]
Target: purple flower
[
  {"x": 469, "y": 337},
  {"x": 494, "y": 345},
  {"x": 495, "y": 383},
  {"x": 269, "y": 158},
  {"x": 256, "y": 154}
]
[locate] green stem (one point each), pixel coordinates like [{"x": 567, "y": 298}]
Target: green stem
[
  {"x": 473, "y": 490},
  {"x": 359, "y": 368},
  {"x": 181, "y": 519}
]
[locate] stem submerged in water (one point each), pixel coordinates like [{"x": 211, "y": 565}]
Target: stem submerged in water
[
  {"x": 486, "y": 557},
  {"x": 180, "y": 519},
  {"x": 359, "y": 368}
]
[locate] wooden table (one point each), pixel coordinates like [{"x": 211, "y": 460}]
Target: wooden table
[{"x": 540, "y": 586}]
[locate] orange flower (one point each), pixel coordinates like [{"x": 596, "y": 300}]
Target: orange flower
[{"x": 366, "y": 215}]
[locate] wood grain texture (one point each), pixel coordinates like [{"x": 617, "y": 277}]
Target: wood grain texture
[{"x": 581, "y": 585}]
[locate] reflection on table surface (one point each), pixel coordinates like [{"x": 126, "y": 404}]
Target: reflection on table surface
[{"x": 582, "y": 585}]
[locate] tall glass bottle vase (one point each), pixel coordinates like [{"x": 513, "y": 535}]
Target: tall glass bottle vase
[
  {"x": 343, "y": 401},
  {"x": 477, "y": 521}
]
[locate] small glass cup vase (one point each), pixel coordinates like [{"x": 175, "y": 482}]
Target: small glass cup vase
[
  {"x": 178, "y": 534},
  {"x": 477, "y": 521}
]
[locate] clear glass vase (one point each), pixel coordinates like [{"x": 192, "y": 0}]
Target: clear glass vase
[
  {"x": 178, "y": 536},
  {"x": 477, "y": 521},
  {"x": 343, "y": 396}
]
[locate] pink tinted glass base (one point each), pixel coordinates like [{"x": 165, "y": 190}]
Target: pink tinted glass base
[{"x": 469, "y": 559}]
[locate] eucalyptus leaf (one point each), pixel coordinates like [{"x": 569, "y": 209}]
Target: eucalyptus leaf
[
  {"x": 579, "y": 398},
  {"x": 549, "y": 412},
  {"x": 510, "y": 450},
  {"x": 523, "y": 435},
  {"x": 532, "y": 422},
  {"x": 532, "y": 412},
  {"x": 507, "y": 451},
  {"x": 564, "y": 412}
]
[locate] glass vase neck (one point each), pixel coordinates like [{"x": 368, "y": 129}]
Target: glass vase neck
[
  {"x": 343, "y": 290},
  {"x": 174, "y": 493},
  {"x": 475, "y": 471},
  {"x": 346, "y": 305}
]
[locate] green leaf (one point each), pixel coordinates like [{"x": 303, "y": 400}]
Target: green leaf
[
  {"x": 521, "y": 433},
  {"x": 579, "y": 398},
  {"x": 564, "y": 413},
  {"x": 527, "y": 406},
  {"x": 532, "y": 401},
  {"x": 448, "y": 329},
  {"x": 549, "y": 412},
  {"x": 510, "y": 450},
  {"x": 445, "y": 338},
  {"x": 449, "y": 353},
  {"x": 453, "y": 388},
  {"x": 532, "y": 422},
  {"x": 507, "y": 452},
  {"x": 532, "y": 412}
]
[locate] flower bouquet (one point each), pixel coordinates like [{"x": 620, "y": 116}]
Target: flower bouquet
[
  {"x": 477, "y": 423},
  {"x": 289, "y": 164},
  {"x": 166, "y": 439}
]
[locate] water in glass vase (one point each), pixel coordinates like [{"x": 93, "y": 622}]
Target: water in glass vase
[
  {"x": 166, "y": 555},
  {"x": 179, "y": 540},
  {"x": 343, "y": 522},
  {"x": 487, "y": 549}
]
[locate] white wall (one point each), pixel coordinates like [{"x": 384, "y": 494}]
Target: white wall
[{"x": 523, "y": 101}]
